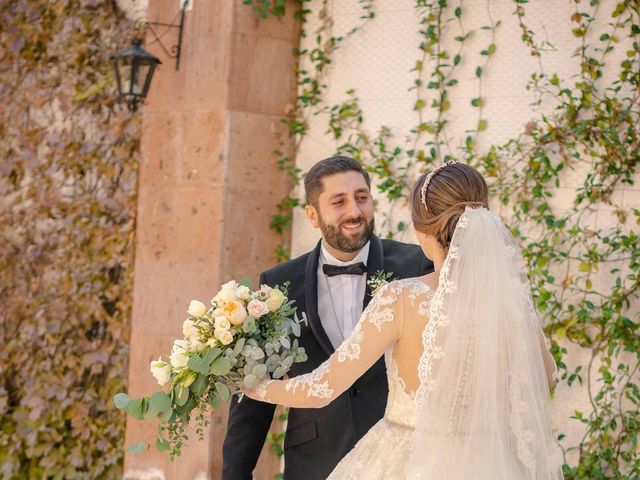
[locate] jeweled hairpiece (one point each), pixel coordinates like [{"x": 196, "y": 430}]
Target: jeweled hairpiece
[{"x": 425, "y": 185}]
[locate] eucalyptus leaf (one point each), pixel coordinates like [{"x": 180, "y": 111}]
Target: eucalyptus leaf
[
  {"x": 272, "y": 362},
  {"x": 246, "y": 351},
  {"x": 121, "y": 400},
  {"x": 150, "y": 413},
  {"x": 280, "y": 372},
  {"x": 199, "y": 385},
  {"x": 247, "y": 283},
  {"x": 165, "y": 416},
  {"x": 260, "y": 371},
  {"x": 220, "y": 366},
  {"x": 285, "y": 342},
  {"x": 136, "y": 447},
  {"x": 295, "y": 328},
  {"x": 134, "y": 408},
  {"x": 223, "y": 391},
  {"x": 160, "y": 401},
  {"x": 257, "y": 353},
  {"x": 237, "y": 349},
  {"x": 195, "y": 364},
  {"x": 287, "y": 362},
  {"x": 251, "y": 381}
]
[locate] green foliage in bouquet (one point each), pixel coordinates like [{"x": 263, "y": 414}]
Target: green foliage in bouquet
[{"x": 241, "y": 340}]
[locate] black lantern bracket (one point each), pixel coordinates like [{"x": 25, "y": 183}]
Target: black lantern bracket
[{"x": 175, "y": 50}]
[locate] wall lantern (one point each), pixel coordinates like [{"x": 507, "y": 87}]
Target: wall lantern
[
  {"x": 134, "y": 66},
  {"x": 134, "y": 69}
]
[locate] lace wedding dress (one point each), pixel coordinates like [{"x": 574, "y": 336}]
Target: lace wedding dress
[
  {"x": 467, "y": 367},
  {"x": 384, "y": 451}
]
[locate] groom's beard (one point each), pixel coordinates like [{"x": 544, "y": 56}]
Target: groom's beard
[{"x": 334, "y": 236}]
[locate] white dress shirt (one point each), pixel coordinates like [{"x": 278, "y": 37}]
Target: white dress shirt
[{"x": 340, "y": 297}]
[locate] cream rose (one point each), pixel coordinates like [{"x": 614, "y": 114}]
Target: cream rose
[
  {"x": 197, "y": 345},
  {"x": 189, "y": 330},
  {"x": 231, "y": 285},
  {"x": 243, "y": 292},
  {"x": 226, "y": 295},
  {"x": 197, "y": 309},
  {"x": 256, "y": 308},
  {"x": 276, "y": 299},
  {"x": 224, "y": 336},
  {"x": 178, "y": 359},
  {"x": 161, "y": 371},
  {"x": 235, "y": 312},
  {"x": 221, "y": 323}
]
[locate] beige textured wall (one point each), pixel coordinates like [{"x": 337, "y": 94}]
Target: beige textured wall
[
  {"x": 376, "y": 62},
  {"x": 208, "y": 185}
]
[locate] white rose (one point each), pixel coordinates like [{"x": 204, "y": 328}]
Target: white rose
[
  {"x": 197, "y": 345},
  {"x": 196, "y": 308},
  {"x": 178, "y": 359},
  {"x": 276, "y": 299},
  {"x": 224, "y": 336},
  {"x": 161, "y": 371},
  {"x": 189, "y": 330},
  {"x": 226, "y": 295},
  {"x": 256, "y": 308},
  {"x": 243, "y": 292},
  {"x": 221, "y": 323},
  {"x": 235, "y": 312},
  {"x": 230, "y": 285}
]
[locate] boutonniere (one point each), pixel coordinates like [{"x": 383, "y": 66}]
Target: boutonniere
[{"x": 379, "y": 279}]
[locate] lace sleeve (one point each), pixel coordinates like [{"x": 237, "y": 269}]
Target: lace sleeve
[{"x": 377, "y": 330}]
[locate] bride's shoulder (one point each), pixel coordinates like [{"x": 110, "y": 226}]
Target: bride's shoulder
[{"x": 413, "y": 286}]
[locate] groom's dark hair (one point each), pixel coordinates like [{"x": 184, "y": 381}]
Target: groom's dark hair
[{"x": 313, "y": 186}]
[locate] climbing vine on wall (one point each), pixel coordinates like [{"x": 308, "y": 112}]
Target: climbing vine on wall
[
  {"x": 67, "y": 202},
  {"x": 583, "y": 259}
]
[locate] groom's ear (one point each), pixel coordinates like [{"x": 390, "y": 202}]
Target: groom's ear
[{"x": 312, "y": 215}]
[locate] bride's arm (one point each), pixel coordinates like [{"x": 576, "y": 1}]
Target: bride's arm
[{"x": 377, "y": 330}]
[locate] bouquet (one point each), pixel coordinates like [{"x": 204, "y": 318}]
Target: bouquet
[{"x": 241, "y": 340}]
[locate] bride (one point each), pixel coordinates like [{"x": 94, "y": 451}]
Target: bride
[{"x": 468, "y": 367}]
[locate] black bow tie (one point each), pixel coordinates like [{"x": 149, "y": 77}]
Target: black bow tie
[{"x": 355, "y": 269}]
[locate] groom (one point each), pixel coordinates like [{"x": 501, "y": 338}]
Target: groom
[{"x": 329, "y": 284}]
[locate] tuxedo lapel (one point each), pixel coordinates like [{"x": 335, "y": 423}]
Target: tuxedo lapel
[
  {"x": 311, "y": 301},
  {"x": 375, "y": 263}
]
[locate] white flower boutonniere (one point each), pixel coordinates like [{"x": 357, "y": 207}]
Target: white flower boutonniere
[{"x": 379, "y": 279}]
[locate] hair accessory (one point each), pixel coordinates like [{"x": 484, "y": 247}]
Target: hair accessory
[{"x": 425, "y": 185}]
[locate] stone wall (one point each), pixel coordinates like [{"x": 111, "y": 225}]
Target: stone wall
[{"x": 207, "y": 188}]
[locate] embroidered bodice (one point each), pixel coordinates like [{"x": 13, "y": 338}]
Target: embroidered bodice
[{"x": 401, "y": 405}]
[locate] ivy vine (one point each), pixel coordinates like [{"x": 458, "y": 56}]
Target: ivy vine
[
  {"x": 584, "y": 275},
  {"x": 68, "y": 193}
]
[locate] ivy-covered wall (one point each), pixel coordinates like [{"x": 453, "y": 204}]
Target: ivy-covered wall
[
  {"x": 68, "y": 161},
  {"x": 544, "y": 98}
]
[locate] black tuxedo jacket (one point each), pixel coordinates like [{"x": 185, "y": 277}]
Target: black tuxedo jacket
[{"x": 317, "y": 439}]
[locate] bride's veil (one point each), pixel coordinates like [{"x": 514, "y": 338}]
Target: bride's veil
[{"x": 483, "y": 403}]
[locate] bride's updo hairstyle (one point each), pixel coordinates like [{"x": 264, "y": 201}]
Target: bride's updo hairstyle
[{"x": 450, "y": 190}]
